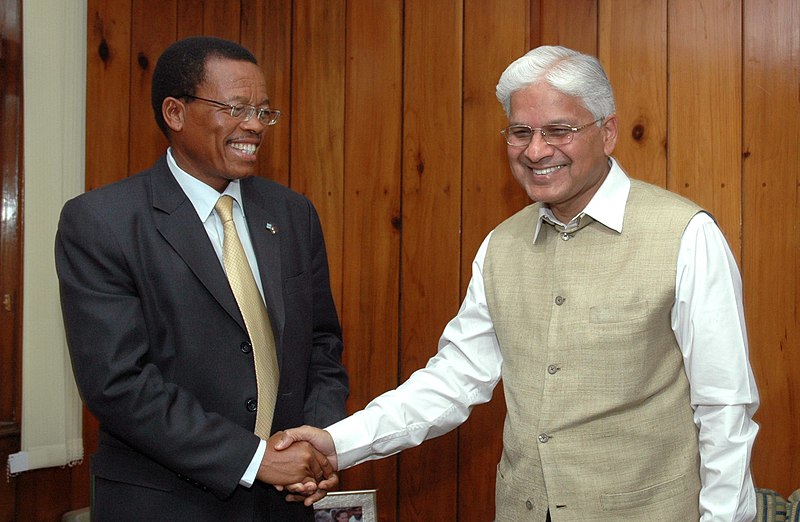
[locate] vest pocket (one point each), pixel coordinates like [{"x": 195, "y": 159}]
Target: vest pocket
[
  {"x": 615, "y": 312},
  {"x": 674, "y": 488}
]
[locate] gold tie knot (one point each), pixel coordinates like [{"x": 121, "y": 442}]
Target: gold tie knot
[{"x": 224, "y": 208}]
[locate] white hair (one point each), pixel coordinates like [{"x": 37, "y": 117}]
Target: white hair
[{"x": 567, "y": 71}]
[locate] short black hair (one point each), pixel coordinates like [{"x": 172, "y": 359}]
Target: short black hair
[{"x": 181, "y": 68}]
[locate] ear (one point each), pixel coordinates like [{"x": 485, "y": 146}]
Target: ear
[
  {"x": 609, "y": 129},
  {"x": 174, "y": 112}
]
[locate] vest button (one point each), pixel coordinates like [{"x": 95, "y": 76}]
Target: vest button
[
  {"x": 552, "y": 369},
  {"x": 252, "y": 404},
  {"x": 560, "y": 300},
  {"x": 529, "y": 504},
  {"x": 566, "y": 236},
  {"x": 246, "y": 347},
  {"x": 544, "y": 437}
]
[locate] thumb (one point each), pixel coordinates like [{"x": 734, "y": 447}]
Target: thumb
[{"x": 285, "y": 441}]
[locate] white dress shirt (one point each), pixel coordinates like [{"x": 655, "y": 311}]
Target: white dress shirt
[
  {"x": 203, "y": 198},
  {"x": 708, "y": 321}
]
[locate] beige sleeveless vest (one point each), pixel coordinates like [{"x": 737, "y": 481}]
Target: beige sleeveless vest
[{"x": 599, "y": 424}]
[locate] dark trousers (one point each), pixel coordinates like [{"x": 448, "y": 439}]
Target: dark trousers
[{"x": 548, "y": 517}]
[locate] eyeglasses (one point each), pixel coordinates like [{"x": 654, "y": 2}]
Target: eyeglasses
[
  {"x": 244, "y": 111},
  {"x": 521, "y": 135}
]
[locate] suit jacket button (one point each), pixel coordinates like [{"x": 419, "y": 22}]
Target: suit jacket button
[
  {"x": 246, "y": 347},
  {"x": 252, "y": 405}
]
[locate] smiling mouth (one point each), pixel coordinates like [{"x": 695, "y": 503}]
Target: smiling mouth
[
  {"x": 247, "y": 148},
  {"x": 548, "y": 170}
]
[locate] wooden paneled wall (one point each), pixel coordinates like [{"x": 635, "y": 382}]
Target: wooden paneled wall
[
  {"x": 10, "y": 239},
  {"x": 391, "y": 127}
]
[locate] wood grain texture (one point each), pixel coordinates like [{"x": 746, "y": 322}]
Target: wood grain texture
[
  {"x": 705, "y": 109},
  {"x": 11, "y": 229},
  {"x": 573, "y": 26},
  {"x": 190, "y": 18},
  {"x": 432, "y": 123},
  {"x": 495, "y": 34},
  {"x": 153, "y": 28},
  {"x": 9, "y": 443},
  {"x": 11, "y": 185},
  {"x": 633, "y": 50},
  {"x": 222, "y": 18},
  {"x": 108, "y": 84},
  {"x": 33, "y": 487},
  {"x": 267, "y": 32},
  {"x": 317, "y": 155},
  {"x": 771, "y": 255},
  {"x": 372, "y": 225}
]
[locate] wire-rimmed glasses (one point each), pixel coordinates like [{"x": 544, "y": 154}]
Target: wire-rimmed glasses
[
  {"x": 244, "y": 111},
  {"x": 520, "y": 135}
]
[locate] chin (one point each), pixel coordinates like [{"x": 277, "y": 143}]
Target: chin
[{"x": 241, "y": 173}]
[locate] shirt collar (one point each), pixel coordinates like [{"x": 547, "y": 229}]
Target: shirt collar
[
  {"x": 607, "y": 206},
  {"x": 202, "y": 196}
]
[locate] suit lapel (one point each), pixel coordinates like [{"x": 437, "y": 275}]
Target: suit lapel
[
  {"x": 264, "y": 233},
  {"x": 177, "y": 221}
]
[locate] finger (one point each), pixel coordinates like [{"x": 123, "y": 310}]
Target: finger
[
  {"x": 295, "y": 498},
  {"x": 330, "y": 483},
  {"x": 319, "y": 495},
  {"x": 298, "y": 488},
  {"x": 307, "y": 486},
  {"x": 308, "y": 500},
  {"x": 325, "y": 464}
]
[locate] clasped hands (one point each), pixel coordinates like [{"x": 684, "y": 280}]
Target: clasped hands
[{"x": 302, "y": 461}]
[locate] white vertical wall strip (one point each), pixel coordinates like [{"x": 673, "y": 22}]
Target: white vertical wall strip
[{"x": 54, "y": 69}]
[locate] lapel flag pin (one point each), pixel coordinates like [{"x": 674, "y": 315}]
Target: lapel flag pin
[{"x": 272, "y": 228}]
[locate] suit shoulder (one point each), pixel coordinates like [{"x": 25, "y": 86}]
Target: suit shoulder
[
  {"x": 271, "y": 190},
  {"x": 119, "y": 196}
]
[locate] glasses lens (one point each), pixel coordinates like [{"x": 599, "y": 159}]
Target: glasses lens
[
  {"x": 268, "y": 116},
  {"x": 238, "y": 110},
  {"x": 518, "y": 135},
  {"x": 557, "y": 134}
]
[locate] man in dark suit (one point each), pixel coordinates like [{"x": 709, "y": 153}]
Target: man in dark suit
[{"x": 159, "y": 346}]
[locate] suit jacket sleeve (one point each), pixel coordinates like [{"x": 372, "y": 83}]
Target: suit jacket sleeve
[{"x": 113, "y": 325}]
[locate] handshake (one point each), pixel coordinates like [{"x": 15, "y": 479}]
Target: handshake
[{"x": 303, "y": 462}]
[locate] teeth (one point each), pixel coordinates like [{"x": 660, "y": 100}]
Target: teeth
[
  {"x": 544, "y": 172},
  {"x": 247, "y": 148}
]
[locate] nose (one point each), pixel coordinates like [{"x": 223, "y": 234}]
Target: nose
[
  {"x": 253, "y": 124},
  {"x": 538, "y": 148}
]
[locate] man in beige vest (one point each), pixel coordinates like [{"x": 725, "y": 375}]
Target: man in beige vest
[{"x": 612, "y": 310}]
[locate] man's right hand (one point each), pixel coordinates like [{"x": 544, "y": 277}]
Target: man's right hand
[
  {"x": 299, "y": 463},
  {"x": 320, "y": 439},
  {"x": 323, "y": 442}
]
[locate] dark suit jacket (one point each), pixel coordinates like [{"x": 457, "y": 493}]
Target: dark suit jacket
[{"x": 161, "y": 354}]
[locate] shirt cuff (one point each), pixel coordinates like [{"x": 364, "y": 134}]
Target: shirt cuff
[{"x": 249, "y": 476}]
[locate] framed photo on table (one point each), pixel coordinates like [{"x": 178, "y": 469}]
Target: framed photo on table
[{"x": 347, "y": 506}]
